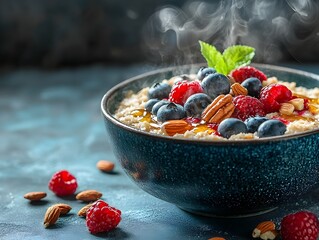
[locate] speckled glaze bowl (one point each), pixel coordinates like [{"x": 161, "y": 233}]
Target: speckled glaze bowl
[{"x": 223, "y": 178}]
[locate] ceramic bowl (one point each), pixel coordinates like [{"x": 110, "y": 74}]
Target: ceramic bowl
[{"x": 220, "y": 178}]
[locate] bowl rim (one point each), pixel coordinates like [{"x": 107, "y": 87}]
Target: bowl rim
[{"x": 116, "y": 122}]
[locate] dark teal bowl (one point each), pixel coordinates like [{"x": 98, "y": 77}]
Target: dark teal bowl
[{"x": 223, "y": 178}]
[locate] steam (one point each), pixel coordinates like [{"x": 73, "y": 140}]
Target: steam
[{"x": 274, "y": 28}]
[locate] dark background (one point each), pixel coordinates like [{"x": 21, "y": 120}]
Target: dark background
[{"x": 59, "y": 33}]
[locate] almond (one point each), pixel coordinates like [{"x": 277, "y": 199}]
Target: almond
[
  {"x": 82, "y": 211},
  {"x": 173, "y": 127},
  {"x": 88, "y": 195},
  {"x": 217, "y": 238},
  {"x": 51, "y": 216},
  {"x": 64, "y": 208},
  {"x": 35, "y": 196},
  {"x": 263, "y": 227},
  {"x": 105, "y": 166}
]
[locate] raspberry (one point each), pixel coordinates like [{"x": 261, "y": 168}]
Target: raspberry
[
  {"x": 242, "y": 73},
  {"x": 182, "y": 90},
  {"x": 101, "y": 217},
  {"x": 302, "y": 225},
  {"x": 247, "y": 106},
  {"x": 274, "y": 94},
  {"x": 63, "y": 183}
]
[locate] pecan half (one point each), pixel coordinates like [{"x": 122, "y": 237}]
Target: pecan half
[
  {"x": 221, "y": 108},
  {"x": 238, "y": 89}
]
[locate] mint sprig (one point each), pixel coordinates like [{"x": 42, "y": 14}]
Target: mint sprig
[{"x": 233, "y": 57}]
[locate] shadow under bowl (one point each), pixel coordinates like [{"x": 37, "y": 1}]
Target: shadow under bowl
[{"x": 219, "y": 178}]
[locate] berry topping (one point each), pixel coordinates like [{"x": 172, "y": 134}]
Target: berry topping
[
  {"x": 196, "y": 103},
  {"x": 246, "y": 106},
  {"x": 302, "y": 225},
  {"x": 182, "y": 90},
  {"x": 170, "y": 111},
  {"x": 242, "y": 73},
  {"x": 159, "y": 91},
  {"x": 204, "y": 71},
  {"x": 63, "y": 183},
  {"x": 150, "y": 103},
  {"x": 157, "y": 106},
  {"x": 274, "y": 94},
  {"x": 271, "y": 128},
  {"x": 101, "y": 217},
  {"x": 231, "y": 126},
  {"x": 253, "y": 86},
  {"x": 253, "y": 123},
  {"x": 215, "y": 84}
]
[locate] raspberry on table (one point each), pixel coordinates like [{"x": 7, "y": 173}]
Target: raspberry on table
[
  {"x": 274, "y": 94},
  {"x": 247, "y": 106},
  {"x": 303, "y": 225},
  {"x": 101, "y": 217},
  {"x": 242, "y": 73},
  {"x": 182, "y": 90},
  {"x": 63, "y": 183}
]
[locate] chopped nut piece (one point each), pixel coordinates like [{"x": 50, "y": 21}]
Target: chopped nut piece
[
  {"x": 286, "y": 108},
  {"x": 298, "y": 103}
]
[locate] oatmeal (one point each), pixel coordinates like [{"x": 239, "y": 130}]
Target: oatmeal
[{"x": 191, "y": 107}]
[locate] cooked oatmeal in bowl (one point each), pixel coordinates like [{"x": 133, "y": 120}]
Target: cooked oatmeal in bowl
[{"x": 188, "y": 108}]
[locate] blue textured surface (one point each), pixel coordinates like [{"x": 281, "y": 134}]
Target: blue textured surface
[{"x": 50, "y": 121}]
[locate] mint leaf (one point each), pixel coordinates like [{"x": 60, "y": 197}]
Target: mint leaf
[
  {"x": 210, "y": 53},
  {"x": 233, "y": 57},
  {"x": 221, "y": 67},
  {"x": 237, "y": 56}
]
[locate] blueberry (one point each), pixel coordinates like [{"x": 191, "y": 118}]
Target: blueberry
[
  {"x": 215, "y": 84},
  {"x": 204, "y": 71},
  {"x": 159, "y": 91},
  {"x": 170, "y": 111},
  {"x": 196, "y": 103},
  {"x": 158, "y": 105},
  {"x": 271, "y": 128},
  {"x": 231, "y": 126},
  {"x": 253, "y": 85},
  {"x": 254, "y": 122},
  {"x": 150, "y": 103}
]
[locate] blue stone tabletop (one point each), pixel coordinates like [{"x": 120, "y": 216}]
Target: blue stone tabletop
[{"x": 51, "y": 120}]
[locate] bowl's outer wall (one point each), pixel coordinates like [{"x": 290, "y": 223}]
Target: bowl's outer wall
[{"x": 219, "y": 179}]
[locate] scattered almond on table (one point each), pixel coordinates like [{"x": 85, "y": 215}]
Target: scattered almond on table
[
  {"x": 51, "y": 216},
  {"x": 35, "y": 196},
  {"x": 105, "y": 165},
  {"x": 88, "y": 196},
  {"x": 82, "y": 211},
  {"x": 64, "y": 208}
]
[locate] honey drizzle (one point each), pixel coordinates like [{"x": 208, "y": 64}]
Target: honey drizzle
[
  {"x": 313, "y": 103},
  {"x": 203, "y": 128}
]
